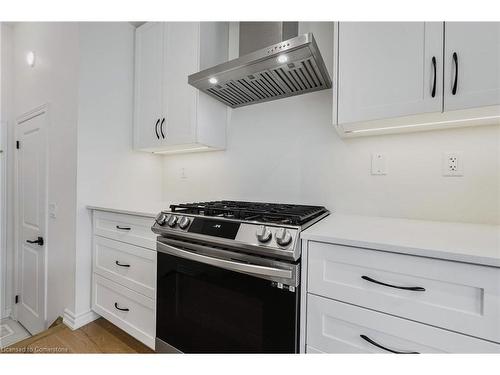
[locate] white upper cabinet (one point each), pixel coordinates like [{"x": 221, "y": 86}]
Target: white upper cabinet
[
  {"x": 170, "y": 115},
  {"x": 148, "y": 84},
  {"x": 389, "y": 69},
  {"x": 473, "y": 47}
]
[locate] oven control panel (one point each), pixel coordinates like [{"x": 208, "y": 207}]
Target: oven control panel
[{"x": 255, "y": 234}]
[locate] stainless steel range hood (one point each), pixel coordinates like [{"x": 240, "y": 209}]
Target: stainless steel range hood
[{"x": 285, "y": 68}]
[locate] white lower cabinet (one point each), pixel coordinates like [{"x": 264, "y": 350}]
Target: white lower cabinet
[
  {"x": 457, "y": 296},
  {"x": 129, "y": 310},
  {"x": 125, "y": 264},
  {"x": 337, "y": 327},
  {"x": 368, "y": 301},
  {"x": 124, "y": 273}
]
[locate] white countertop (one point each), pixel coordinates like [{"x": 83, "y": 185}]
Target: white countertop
[
  {"x": 150, "y": 209},
  {"x": 470, "y": 243}
]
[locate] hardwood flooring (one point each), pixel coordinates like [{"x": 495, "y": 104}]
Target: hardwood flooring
[{"x": 99, "y": 336}]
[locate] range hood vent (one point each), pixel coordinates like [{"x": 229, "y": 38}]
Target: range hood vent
[{"x": 287, "y": 68}]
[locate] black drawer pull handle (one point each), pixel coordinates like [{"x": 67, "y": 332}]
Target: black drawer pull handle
[
  {"x": 161, "y": 128},
  {"x": 121, "y": 264},
  {"x": 412, "y": 288},
  {"x": 455, "y": 60},
  {"x": 367, "y": 339},
  {"x": 123, "y": 228},
  {"x": 156, "y": 129},
  {"x": 119, "y": 308},
  {"x": 433, "y": 94}
]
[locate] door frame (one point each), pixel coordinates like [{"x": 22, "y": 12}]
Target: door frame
[
  {"x": 37, "y": 111},
  {"x": 4, "y": 311}
]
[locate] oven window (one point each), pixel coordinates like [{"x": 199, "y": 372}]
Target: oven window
[{"x": 205, "y": 309}]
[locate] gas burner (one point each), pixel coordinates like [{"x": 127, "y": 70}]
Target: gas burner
[{"x": 287, "y": 214}]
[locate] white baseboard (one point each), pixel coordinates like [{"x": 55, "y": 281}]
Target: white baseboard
[
  {"x": 75, "y": 322},
  {"x": 7, "y": 313}
]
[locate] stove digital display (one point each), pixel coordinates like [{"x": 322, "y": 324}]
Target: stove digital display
[{"x": 216, "y": 228}]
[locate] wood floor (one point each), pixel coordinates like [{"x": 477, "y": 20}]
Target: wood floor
[{"x": 99, "y": 336}]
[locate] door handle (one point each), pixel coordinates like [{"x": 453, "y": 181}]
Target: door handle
[
  {"x": 455, "y": 82},
  {"x": 156, "y": 129},
  {"x": 123, "y": 228},
  {"x": 433, "y": 94},
  {"x": 161, "y": 128},
  {"x": 38, "y": 241},
  {"x": 252, "y": 269}
]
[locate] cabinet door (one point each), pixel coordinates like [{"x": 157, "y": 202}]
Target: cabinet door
[
  {"x": 181, "y": 49},
  {"x": 386, "y": 69},
  {"x": 476, "y": 46},
  {"x": 148, "y": 85}
]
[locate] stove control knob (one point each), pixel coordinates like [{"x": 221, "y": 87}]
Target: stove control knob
[
  {"x": 184, "y": 222},
  {"x": 161, "y": 219},
  {"x": 263, "y": 234},
  {"x": 283, "y": 237},
  {"x": 172, "y": 221}
]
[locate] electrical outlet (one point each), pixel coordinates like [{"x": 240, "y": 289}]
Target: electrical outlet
[
  {"x": 378, "y": 164},
  {"x": 452, "y": 164}
]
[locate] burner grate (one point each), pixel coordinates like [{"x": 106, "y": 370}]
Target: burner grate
[{"x": 253, "y": 211}]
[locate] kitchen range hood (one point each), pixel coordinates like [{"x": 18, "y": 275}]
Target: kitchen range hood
[{"x": 274, "y": 63}]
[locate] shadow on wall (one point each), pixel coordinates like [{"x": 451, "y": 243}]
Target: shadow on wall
[{"x": 289, "y": 151}]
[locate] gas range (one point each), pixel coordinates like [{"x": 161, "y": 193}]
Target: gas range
[
  {"x": 228, "y": 276},
  {"x": 262, "y": 229}
]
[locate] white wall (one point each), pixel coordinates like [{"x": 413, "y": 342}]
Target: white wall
[
  {"x": 53, "y": 80},
  {"x": 109, "y": 172},
  {"x": 5, "y": 262},
  {"x": 6, "y": 271},
  {"x": 288, "y": 151},
  {"x": 85, "y": 72}
]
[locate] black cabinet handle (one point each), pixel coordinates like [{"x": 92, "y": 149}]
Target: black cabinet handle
[
  {"x": 122, "y": 228},
  {"x": 38, "y": 241},
  {"x": 367, "y": 339},
  {"x": 161, "y": 128},
  {"x": 119, "y": 308},
  {"x": 121, "y": 264},
  {"x": 433, "y": 94},
  {"x": 156, "y": 129},
  {"x": 455, "y": 60},
  {"x": 412, "y": 288}
]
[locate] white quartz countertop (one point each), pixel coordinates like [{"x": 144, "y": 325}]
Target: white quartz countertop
[
  {"x": 470, "y": 243},
  {"x": 147, "y": 209}
]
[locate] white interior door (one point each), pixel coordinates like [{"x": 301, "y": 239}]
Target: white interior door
[
  {"x": 31, "y": 190},
  {"x": 3, "y": 269},
  {"x": 472, "y": 65},
  {"x": 389, "y": 69}
]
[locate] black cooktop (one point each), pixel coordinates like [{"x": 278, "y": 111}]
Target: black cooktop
[{"x": 291, "y": 214}]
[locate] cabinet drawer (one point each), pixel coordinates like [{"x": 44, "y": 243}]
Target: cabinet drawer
[
  {"x": 128, "y": 265},
  {"x": 458, "y": 296},
  {"x": 336, "y": 327},
  {"x": 132, "y": 229},
  {"x": 138, "y": 321}
]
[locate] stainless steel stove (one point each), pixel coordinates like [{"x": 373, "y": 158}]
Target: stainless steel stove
[
  {"x": 215, "y": 258},
  {"x": 264, "y": 229}
]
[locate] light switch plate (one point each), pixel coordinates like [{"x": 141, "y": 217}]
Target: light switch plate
[
  {"x": 52, "y": 210},
  {"x": 379, "y": 164}
]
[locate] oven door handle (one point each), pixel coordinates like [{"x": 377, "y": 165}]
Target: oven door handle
[{"x": 226, "y": 264}]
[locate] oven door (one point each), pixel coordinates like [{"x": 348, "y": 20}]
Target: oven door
[{"x": 222, "y": 304}]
